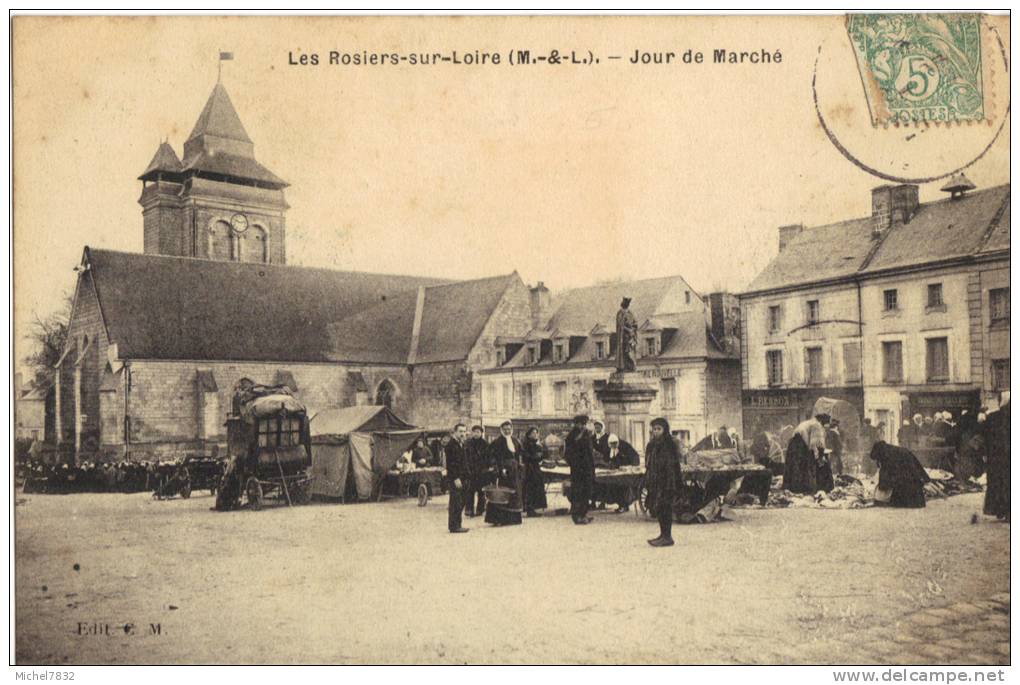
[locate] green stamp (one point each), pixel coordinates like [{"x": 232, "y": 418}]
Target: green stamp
[{"x": 919, "y": 68}]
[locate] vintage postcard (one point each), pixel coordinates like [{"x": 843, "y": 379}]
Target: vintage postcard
[{"x": 512, "y": 340}]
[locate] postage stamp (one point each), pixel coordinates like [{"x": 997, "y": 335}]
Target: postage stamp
[{"x": 920, "y": 68}]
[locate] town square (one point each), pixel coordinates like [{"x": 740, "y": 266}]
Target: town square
[{"x": 510, "y": 358}]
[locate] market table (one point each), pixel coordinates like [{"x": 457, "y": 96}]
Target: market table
[
  {"x": 633, "y": 476},
  {"x": 409, "y": 483}
]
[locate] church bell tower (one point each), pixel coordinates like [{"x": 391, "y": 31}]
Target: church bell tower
[{"x": 219, "y": 202}]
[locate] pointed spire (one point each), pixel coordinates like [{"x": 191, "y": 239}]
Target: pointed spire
[
  {"x": 219, "y": 118},
  {"x": 165, "y": 160},
  {"x": 219, "y": 144}
]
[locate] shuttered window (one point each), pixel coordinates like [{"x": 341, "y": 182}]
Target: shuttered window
[
  {"x": 937, "y": 359},
  {"x": 813, "y": 365},
  {"x": 852, "y": 362},
  {"x": 892, "y": 362},
  {"x": 668, "y": 389},
  {"x": 999, "y": 304}
]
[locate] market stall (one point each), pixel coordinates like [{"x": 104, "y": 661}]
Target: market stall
[
  {"x": 705, "y": 478},
  {"x": 354, "y": 449}
]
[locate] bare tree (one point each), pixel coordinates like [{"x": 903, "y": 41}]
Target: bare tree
[{"x": 47, "y": 337}]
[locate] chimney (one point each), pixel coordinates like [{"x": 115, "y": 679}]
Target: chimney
[
  {"x": 957, "y": 186},
  {"x": 539, "y": 305},
  {"x": 788, "y": 233},
  {"x": 725, "y": 320},
  {"x": 891, "y": 204}
]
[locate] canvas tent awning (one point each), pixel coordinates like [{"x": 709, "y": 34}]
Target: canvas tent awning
[
  {"x": 363, "y": 441},
  {"x": 363, "y": 419}
]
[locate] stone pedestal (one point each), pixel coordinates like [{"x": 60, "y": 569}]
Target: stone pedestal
[{"x": 626, "y": 399}]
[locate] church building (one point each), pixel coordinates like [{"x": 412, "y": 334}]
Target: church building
[{"x": 157, "y": 341}]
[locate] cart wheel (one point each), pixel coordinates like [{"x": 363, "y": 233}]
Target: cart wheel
[
  {"x": 423, "y": 494},
  {"x": 186, "y": 490},
  {"x": 254, "y": 491}
]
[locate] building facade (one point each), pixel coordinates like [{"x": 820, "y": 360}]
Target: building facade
[
  {"x": 902, "y": 312},
  {"x": 158, "y": 341},
  {"x": 688, "y": 349}
]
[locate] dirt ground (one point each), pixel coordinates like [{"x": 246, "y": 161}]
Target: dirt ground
[{"x": 385, "y": 583}]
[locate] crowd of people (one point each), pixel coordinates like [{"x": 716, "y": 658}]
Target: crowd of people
[
  {"x": 123, "y": 476},
  {"x": 503, "y": 481},
  {"x": 975, "y": 444}
]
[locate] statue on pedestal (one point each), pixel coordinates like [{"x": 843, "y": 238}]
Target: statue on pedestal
[{"x": 626, "y": 338}]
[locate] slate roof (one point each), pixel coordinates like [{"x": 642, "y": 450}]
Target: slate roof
[
  {"x": 380, "y": 334},
  {"x": 453, "y": 316},
  {"x": 943, "y": 230},
  {"x": 232, "y": 165},
  {"x": 165, "y": 159},
  {"x": 160, "y": 307},
  {"x": 219, "y": 118},
  {"x": 581, "y": 308},
  {"x": 998, "y": 238},
  {"x": 825, "y": 252},
  {"x": 584, "y": 309}
]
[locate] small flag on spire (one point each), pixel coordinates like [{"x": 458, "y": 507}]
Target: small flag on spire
[{"x": 224, "y": 56}]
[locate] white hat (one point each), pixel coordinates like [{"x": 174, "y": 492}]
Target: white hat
[{"x": 613, "y": 437}]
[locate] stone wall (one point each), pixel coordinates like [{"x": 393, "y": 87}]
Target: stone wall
[
  {"x": 166, "y": 409},
  {"x": 86, "y": 325}
]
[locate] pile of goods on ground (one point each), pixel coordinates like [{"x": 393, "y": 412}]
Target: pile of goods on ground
[{"x": 852, "y": 493}]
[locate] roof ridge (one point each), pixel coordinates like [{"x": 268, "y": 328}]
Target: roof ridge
[
  {"x": 622, "y": 282},
  {"x": 993, "y": 224},
  {"x": 469, "y": 281},
  {"x": 272, "y": 265},
  {"x": 919, "y": 205}
]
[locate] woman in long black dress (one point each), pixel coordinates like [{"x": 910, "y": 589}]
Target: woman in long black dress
[
  {"x": 807, "y": 469},
  {"x": 997, "y": 449},
  {"x": 900, "y": 474},
  {"x": 662, "y": 466},
  {"x": 506, "y": 453},
  {"x": 534, "y": 484}
]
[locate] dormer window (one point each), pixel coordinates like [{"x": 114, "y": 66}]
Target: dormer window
[
  {"x": 651, "y": 347},
  {"x": 558, "y": 355},
  {"x": 500, "y": 356},
  {"x": 532, "y": 354},
  {"x": 600, "y": 349}
]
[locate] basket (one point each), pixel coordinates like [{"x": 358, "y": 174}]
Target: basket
[{"x": 497, "y": 494}]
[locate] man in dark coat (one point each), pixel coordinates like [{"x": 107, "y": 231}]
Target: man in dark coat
[
  {"x": 996, "y": 434},
  {"x": 480, "y": 470},
  {"x": 579, "y": 453},
  {"x": 900, "y": 474},
  {"x": 457, "y": 475}
]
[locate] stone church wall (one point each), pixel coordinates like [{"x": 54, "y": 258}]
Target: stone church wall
[{"x": 169, "y": 412}]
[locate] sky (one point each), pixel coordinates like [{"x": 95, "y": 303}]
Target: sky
[{"x": 567, "y": 174}]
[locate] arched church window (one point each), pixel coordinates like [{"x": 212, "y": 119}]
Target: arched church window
[
  {"x": 253, "y": 245},
  {"x": 220, "y": 241},
  {"x": 385, "y": 394}
]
